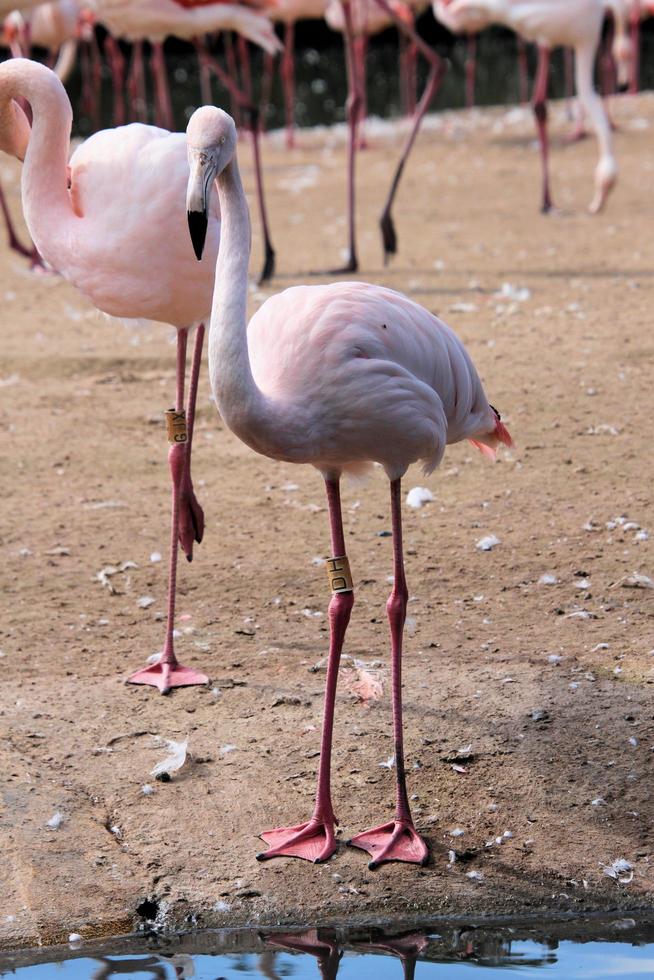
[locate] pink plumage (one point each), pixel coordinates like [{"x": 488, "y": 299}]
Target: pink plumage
[
  {"x": 112, "y": 222},
  {"x": 339, "y": 376},
  {"x": 372, "y": 377}
]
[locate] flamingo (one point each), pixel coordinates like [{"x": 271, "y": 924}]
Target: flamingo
[
  {"x": 354, "y": 13},
  {"x": 52, "y": 26},
  {"x": 550, "y": 23},
  {"x": 288, "y": 12},
  {"x": 155, "y": 20},
  {"x": 86, "y": 219},
  {"x": 339, "y": 376}
]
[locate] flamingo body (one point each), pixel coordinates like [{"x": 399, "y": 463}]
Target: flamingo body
[
  {"x": 550, "y": 23},
  {"x": 338, "y": 376},
  {"x": 394, "y": 383},
  {"x": 158, "y": 19},
  {"x": 112, "y": 222},
  {"x": 127, "y": 187}
]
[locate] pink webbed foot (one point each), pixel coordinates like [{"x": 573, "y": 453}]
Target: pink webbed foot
[
  {"x": 190, "y": 527},
  {"x": 167, "y": 676},
  {"x": 397, "y": 840},
  {"x": 313, "y": 841}
]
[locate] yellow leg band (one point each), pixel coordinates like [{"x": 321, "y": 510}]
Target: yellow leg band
[
  {"x": 176, "y": 426},
  {"x": 339, "y": 575}
]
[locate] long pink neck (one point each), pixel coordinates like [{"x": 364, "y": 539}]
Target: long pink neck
[
  {"x": 46, "y": 201},
  {"x": 240, "y": 402}
]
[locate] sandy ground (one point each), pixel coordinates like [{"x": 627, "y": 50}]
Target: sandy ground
[{"x": 540, "y": 694}]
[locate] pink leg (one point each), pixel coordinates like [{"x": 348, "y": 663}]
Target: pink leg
[
  {"x": 14, "y": 242},
  {"x": 117, "y": 68},
  {"x": 360, "y": 53},
  {"x": 163, "y": 103},
  {"x": 523, "y": 73},
  {"x": 353, "y": 109},
  {"x": 315, "y": 839},
  {"x": 287, "y": 69},
  {"x": 205, "y": 71},
  {"x": 436, "y": 71},
  {"x": 634, "y": 27},
  {"x": 266, "y": 86},
  {"x": 244, "y": 99},
  {"x": 168, "y": 673},
  {"x": 232, "y": 72},
  {"x": 471, "y": 70},
  {"x": 539, "y": 105},
  {"x": 191, "y": 516},
  {"x": 397, "y": 840},
  {"x": 136, "y": 90}
]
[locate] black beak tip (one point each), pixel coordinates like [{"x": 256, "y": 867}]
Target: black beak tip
[{"x": 197, "y": 226}]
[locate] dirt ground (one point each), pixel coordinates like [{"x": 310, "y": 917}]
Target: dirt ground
[{"x": 539, "y": 694}]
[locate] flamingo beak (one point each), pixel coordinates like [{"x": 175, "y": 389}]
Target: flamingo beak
[
  {"x": 202, "y": 171},
  {"x": 197, "y": 226}
]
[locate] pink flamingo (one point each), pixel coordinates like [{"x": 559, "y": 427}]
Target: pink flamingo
[
  {"x": 339, "y": 376},
  {"x": 288, "y": 13},
  {"x": 550, "y": 23},
  {"x": 155, "y": 20},
  {"x": 355, "y": 105},
  {"x": 85, "y": 218},
  {"x": 52, "y": 26}
]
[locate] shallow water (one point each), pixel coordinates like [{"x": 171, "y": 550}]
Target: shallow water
[{"x": 624, "y": 950}]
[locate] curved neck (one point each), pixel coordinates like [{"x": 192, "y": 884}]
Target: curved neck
[
  {"x": 239, "y": 400},
  {"x": 46, "y": 201}
]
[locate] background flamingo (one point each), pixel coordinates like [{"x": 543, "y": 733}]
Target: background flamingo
[
  {"x": 86, "y": 220},
  {"x": 354, "y": 108},
  {"x": 53, "y": 26},
  {"x": 155, "y": 20},
  {"x": 338, "y": 376},
  {"x": 550, "y": 23}
]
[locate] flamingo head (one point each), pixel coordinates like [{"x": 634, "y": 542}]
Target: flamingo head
[{"x": 211, "y": 145}]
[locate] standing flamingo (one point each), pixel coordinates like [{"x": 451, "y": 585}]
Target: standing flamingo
[
  {"x": 155, "y": 20},
  {"x": 353, "y": 13},
  {"x": 288, "y": 13},
  {"x": 550, "y": 23},
  {"x": 52, "y": 26},
  {"x": 86, "y": 219},
  {"x": 339, "y": 376}
]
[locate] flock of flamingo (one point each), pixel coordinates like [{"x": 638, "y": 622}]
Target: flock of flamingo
[{"x": 340, "y": 376}]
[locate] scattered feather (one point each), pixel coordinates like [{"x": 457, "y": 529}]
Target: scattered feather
[
  {"x": 475, "y": 875},
  {"x": 55, "y": 821},
  {"x": 226, "y": 749},
  {"x": 147, "y": 790},
  {"x": 548, "y": 579},
  {"x": 175, "y": 759},
  {"x": 487, "y": 543},
  {"x": 155, "y": 557},
  {"x": 637, "y": 581},
  {"x": 366, "y": 684},
  {"x": 418, "y": 496},
  {"x": 519, "y": 294},
  {"x": 145, "y": 601},
  {"x": 388, "y": 763},
  {"x": 620, "y": 870}
]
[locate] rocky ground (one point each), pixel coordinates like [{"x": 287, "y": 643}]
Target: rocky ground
[{"x": 528, "y": 668}]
